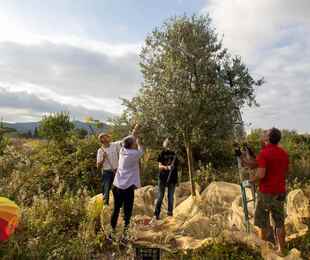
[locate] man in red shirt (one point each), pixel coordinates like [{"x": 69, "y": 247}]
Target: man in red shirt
[{"x": 272, "y": 166}]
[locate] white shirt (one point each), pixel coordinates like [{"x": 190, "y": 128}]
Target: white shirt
[
  {"x": 111, "y": 161},
  {"x": 128, "y": 171}
]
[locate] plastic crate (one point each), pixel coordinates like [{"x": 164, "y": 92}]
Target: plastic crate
[{"x": 147, "y": 253}]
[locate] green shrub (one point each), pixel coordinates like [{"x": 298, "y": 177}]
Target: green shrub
[
  {"x": 52, "y": 184},
  {"x": 56, "y": 127}
]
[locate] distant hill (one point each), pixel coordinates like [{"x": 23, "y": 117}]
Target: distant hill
[{"x": 31, "y": 126}]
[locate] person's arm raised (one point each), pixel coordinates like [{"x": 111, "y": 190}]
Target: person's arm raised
[
  {"x": 135, "y": 131},
  {"x": 140, "y": 147}
]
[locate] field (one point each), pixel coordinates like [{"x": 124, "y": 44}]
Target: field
[{"x": 53, "y": 182}]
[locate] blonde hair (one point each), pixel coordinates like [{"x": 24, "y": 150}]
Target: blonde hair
[{"x": 102, "y": 135}]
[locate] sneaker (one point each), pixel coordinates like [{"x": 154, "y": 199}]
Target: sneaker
[{"x": 170, "y": 214}]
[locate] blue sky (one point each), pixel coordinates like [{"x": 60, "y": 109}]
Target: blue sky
[
  {"x": 83, "y": 55},
  {"x": 112, "y": 21}
]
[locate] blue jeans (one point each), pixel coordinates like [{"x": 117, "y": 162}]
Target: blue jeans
[
  {"x": 107, "y": 180},
  {"x": 161, "y": 193}
]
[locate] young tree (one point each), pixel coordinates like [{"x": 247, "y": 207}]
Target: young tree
[
  {"x": 56, "y": 127},
  {"x": 193, "y": 89}
]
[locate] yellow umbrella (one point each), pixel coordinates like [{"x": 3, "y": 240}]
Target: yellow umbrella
[{"x": 9, "y": 217}]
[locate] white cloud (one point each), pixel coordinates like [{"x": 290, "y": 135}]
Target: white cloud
[
  {"x": 251, "y": 25},
  {"x": 73, "y": 70},
  {"x": 90, "y": 73},
  {"x": 28, "y": 39},
  {"x": 272, "y": 37},
  {"x": 22, "y": 105}
]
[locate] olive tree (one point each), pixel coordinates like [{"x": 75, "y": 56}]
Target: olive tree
[{"x": 193, "y": 88}]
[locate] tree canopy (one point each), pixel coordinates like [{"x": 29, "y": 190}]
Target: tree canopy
[{"x": 193, "y": 89}]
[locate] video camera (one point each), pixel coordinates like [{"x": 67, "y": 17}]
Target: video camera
[{"x": 243, "y": 148}]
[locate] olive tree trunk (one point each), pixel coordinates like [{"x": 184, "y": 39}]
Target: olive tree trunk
[{"x": 189, "y": 154}]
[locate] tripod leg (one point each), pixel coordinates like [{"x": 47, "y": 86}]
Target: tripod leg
[
  {"x": 245, "y": 208},
  {"x": 253, "y": 191}
]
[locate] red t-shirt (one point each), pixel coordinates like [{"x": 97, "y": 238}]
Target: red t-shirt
[{"x": 275, "y": 160}]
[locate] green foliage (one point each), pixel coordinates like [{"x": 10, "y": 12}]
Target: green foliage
[
  {"x": 193, "y": 89},
  {"x": 120, "y": 127},
  {"x": 36, "y": 167},
  {"x": 3, "y": 141},
  {"x": 253, "y": 139},
  {"x": 52, "y": 185},
  {"x": 54, "y": 228},
  {"x": 56, "y": 127},
  {"x": 207, "y": 174},
  {"x": 80, "y": 132},
  {"x": 149, "y": 167}
]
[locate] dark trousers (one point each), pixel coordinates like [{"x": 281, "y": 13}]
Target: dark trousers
[
  {"x": 125, "y": 199},
  {"x": 161, "y": 193},
  {"x": 107, "y": 180}
]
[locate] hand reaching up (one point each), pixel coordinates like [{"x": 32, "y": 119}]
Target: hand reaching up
[{"x": 135, "y": 130}]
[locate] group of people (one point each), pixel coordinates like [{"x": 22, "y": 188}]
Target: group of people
[{"x": 119, "y": 162}]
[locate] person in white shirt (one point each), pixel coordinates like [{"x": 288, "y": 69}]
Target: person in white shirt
[
  {"x": 127, "y": 179},
  {"x": 107, "y": 162}
]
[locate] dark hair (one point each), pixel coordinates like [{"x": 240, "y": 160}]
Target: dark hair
[
  {"x": 128, "y": 142},
  {"x": 274, "y": 135}
]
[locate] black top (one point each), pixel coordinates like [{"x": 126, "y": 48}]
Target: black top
[{"x": 166, "y": 157}]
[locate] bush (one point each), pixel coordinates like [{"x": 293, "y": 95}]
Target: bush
[
  {"x": 53, "y": 183},
  {"x": 3, "y": 141},
  {"x": 54, "y": 228},
  {"x": 56, "y": 127}
]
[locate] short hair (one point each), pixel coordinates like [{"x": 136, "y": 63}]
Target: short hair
[
  {"x": 274, "y": 135},
  {"x": 102, "y": 135},
  {"x": 128, "y": 141}
]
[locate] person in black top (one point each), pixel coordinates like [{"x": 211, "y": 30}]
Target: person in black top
[{"x": 168, "y": 177}]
